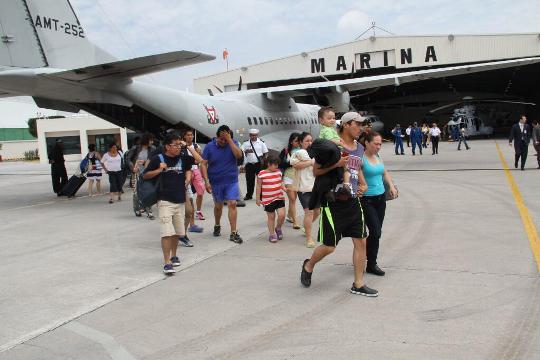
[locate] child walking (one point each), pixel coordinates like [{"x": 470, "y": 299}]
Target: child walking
[{"x": 270, "y": 193}]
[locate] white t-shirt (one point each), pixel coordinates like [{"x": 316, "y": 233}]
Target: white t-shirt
[
  {"x": 260, "y": 148},
  {"x": 408, "y": 131},
  {"x": 306, "y": 179},
  {"x": 195, "y": 146},
  {"x": 434, "y": 131},
  {"x": 112, "y": 163}
]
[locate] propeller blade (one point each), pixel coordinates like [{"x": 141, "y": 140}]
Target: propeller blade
[
  {"x": 507, "y": 102},
  {"x": 445, "y": 106}
]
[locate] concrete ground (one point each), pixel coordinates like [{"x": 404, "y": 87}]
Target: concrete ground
[{"x": 81, "y": 279}]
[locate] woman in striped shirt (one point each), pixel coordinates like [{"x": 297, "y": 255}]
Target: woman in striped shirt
[{"x": 270, "y": 194}]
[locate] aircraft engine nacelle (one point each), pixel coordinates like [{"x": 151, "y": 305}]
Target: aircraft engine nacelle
[{"x": 339, "y": 100}]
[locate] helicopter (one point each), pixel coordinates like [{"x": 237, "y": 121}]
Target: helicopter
[{"x": 471, "y": 118}]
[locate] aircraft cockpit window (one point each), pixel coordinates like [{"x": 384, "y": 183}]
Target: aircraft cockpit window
[
  {"x": 249, "y": 120},
  {"x": 266, "y": 120}
]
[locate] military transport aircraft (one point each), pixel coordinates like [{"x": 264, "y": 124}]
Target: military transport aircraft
[{"x": 45, "y": 54}]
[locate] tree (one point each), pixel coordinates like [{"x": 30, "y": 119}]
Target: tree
[
  {"x": 32, "y": 127},
  {"x": 32, "y": 124}
]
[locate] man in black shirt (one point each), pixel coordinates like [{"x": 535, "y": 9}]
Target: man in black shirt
[
  {"x": 174, "y": 171},
  {"x": 58, "y": 166}
]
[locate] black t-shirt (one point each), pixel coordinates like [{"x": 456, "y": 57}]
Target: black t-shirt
[{"x": 173, "y": 188}]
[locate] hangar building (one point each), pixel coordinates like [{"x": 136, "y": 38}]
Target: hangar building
[{"x": 499, "y": 95}]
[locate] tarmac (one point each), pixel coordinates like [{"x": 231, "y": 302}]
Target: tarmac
[{"x": 82, "y": 279}]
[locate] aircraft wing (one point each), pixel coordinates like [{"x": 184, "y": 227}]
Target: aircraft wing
[
  {"x": 133, "y": 67},
  {"x": 396, "y": 79}
]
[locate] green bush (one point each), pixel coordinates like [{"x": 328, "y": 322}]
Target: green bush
[{"x": 31, "y": 155}]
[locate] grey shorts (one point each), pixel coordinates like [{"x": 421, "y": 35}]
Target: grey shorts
[{"x": 304, "y": 199}]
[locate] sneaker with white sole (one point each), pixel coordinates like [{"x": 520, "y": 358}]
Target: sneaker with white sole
[
  {"x": 175, "y": 261},
  {"x": 195, "y": 228},
  {"x": 364, "y": 291},
  {"x": 168, "y": 269},
  {"x": 184, "y": 241}
]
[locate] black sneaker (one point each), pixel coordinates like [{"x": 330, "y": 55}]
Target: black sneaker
[
  {"x": 184, "y": 241},
  {"x": 138, "y": 213},
  {"x": 235, "y": 237},
  {"x": 217, "y": 230},
  {"x": 240, "y": 203},
  {"x": 375, "y": 270},
  {"x": 364, "y": 291},
  {"x": 175, "y": 261},
  {"x": 305, "y": 277},
  {"x": 168, "y": 269}
]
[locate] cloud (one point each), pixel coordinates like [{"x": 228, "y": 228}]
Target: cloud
[{"x": 353, "y": 23}]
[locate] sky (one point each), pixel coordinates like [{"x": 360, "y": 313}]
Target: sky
[{"x": 254, "y": 31}]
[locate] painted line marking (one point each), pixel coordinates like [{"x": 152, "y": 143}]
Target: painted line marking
[
  {"x": 109, "y": 343},
  {"x": 528, "y": 223}
]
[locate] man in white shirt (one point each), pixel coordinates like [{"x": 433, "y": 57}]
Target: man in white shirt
[
  {"x": 434, "y": 135},
  {"x": 255, "y": 151}
]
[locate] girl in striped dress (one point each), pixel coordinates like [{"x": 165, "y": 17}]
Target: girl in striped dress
[{"x": 270, "y": 193}]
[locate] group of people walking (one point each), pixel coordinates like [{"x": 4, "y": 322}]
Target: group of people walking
[{"x": 418, "y": 137}]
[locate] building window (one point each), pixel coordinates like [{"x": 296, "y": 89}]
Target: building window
[
  {"x": 249, "y": 120},
  {"x": 72, "y": 144}
]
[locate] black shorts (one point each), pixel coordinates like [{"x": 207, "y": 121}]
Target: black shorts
[
  {"x": 304, "y": 198},
  {"x": 274, "y": 205},
  {"x": 341, "y": 219}
]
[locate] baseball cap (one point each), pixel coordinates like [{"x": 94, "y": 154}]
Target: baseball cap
[{"x": 352, "y": 116}]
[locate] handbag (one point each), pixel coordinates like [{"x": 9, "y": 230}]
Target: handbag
[
  {"x": 261, "y": 161},
  {"x": 387, "y": 194}
]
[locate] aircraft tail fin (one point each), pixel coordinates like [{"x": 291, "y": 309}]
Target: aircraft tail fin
[{"x": 45, "y": 33}]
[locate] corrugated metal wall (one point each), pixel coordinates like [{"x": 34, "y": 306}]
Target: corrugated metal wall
[{"x": 14, "y": 134}]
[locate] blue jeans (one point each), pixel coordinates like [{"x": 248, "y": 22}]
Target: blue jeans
[{"x": 462, "y": 138}]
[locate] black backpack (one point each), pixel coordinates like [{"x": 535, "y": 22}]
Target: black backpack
[{"x": 148, "y": 190}]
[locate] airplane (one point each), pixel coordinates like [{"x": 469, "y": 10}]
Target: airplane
[{"x": 45, "y": 54}]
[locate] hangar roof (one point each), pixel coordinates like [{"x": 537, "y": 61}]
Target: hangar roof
[{"x": 375, "y": 55}]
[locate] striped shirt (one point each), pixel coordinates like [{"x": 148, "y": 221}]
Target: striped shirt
[{"x": 271, "y": 189}]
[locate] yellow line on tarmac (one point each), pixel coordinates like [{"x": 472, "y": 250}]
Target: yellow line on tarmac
[{"x": 528, "y": 223}]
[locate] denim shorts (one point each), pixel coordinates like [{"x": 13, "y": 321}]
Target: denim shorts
[{"x": 225, "y": 192}]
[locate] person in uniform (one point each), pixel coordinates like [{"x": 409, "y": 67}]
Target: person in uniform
[
  {"x": 398, "y": 140},
  {"x": 255, "y": 151}
]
